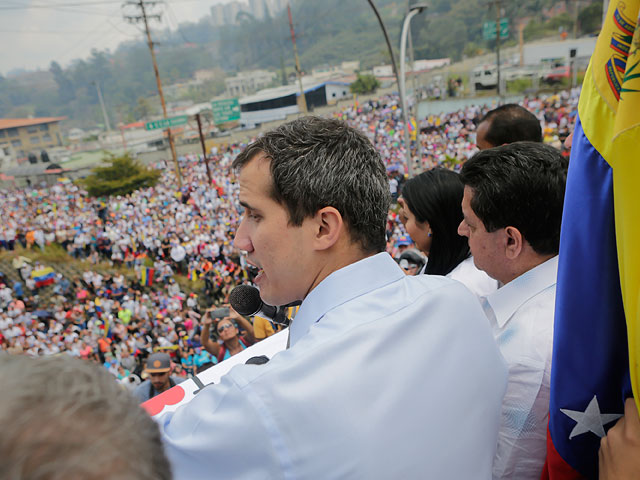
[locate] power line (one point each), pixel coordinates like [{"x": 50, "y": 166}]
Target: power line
[
  {"x": 58, "y": 5},
  {"x": 144, "y": 18},
  {"x": 175, "y": 19}
]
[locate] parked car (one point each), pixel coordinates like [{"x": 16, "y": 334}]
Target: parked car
[
  {"x": 556, "y": 75},
  {"x": 484, "y": 77}
]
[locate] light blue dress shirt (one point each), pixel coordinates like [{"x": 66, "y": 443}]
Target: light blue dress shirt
[{"x": 388, "y": 377}]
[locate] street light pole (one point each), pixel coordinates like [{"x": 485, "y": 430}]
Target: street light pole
[
  {"x": 386, "y": 38},
  {"x": 414, "y": 10}
]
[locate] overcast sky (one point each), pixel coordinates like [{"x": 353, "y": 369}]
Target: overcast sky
[{"x": 33, "y": 33}]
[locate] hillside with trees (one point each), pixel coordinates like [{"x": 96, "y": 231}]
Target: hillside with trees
[{"x": 328, "y": 32}]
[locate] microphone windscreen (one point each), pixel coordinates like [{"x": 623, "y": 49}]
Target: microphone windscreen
[{"x": 245, "y": 299}]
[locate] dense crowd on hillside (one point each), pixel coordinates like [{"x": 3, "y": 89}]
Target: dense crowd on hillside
[{"x": 160, "y": 232}]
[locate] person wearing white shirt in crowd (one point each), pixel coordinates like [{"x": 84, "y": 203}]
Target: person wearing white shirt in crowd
[
  {"x": 387, "y": 376},
  {"x": 512, "y": 206},
  {"x": 431, "y": 214}
]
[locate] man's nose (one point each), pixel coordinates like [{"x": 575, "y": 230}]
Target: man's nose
[
  {"x": 462, "y": 229},
  {"x": 242, "y": 240}
]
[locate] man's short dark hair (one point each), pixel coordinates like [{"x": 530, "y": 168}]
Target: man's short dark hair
[
  {"x": 520, "y": 185},
  {"x": 511, "y": 123},
  {"x": 318, "y": 162}
]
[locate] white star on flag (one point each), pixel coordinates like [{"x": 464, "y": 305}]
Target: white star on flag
[{"x": 591, "y": 420}]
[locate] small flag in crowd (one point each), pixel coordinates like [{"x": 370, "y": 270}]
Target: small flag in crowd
[
  {"x": 43, "y": 276},
  {"x": 596, "y": 349},
  {"x": 193, "y": 275},
  {"x": 146, "y": 276}
]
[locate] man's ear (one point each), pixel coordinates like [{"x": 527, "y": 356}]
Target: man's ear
[
  {"x": 328, "y": 226},
  {"x": 514, "y": 242}
]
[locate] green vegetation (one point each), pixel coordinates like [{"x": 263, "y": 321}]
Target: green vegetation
[
  {"x": 123, "y": 176},
  {"x": 364, "y": 84},
  {"x": 328, "y": 32},
  {"x": 519, "y": 85}
]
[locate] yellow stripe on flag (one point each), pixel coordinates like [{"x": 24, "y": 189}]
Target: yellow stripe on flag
[{"x": 609, "y": 110}]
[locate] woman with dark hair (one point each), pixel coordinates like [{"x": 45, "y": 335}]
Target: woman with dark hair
[{"x": 431, "y": 212}]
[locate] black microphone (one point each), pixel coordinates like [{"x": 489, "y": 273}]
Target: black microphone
[{"x": 246, "y": 300}]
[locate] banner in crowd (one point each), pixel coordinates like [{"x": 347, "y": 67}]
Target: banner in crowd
[
  {"x": 596, "y": 345},
  {"x": 146, "y": 276},
  {"x": 43, "y": 276},
  {"x": 177, "y": 396}
]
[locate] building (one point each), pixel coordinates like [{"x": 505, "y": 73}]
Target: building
[
  {"x": 32, "y": 136},
  {"x": 277, "y": 103},
  {"x": 258, "y": 8},
  {"x": 245, "y": 83},
  {"x": 325, "y": 72},
  {"x": 420, "y": 66},
  {"x": 227, "y": 13},
  {"x": 205, "y": 75}
]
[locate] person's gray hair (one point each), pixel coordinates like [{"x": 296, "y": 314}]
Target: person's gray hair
[
  {"x": 318, "y": 162},
  {"x": 64, "y": 418}
]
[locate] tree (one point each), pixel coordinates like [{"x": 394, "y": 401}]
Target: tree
[
  {"x": 590, "y": 18},
  {"x": 66, "y": 90},
  {"x": 364, "y": 84},
  {"x": 143, "y": 108},
  {"x": 123, "y": 176}
]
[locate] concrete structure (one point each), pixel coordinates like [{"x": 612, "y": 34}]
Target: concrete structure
[
  {"x": 258, "y": 8},
  {"x": 227, "y": 13},
  {"x": 419, "y": 66},
  {"x": 548, "y": 52},
  {"x": 201, "y": 76},
  {"x": 30, "y": 135},
  {"x": 245, "y": 83},
  {"x": 277, "y": 103},
  {"x": 326, "y": 72}
]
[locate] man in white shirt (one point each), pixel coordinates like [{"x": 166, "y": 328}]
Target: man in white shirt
[
  {"x": 512, "y": 209},
  {"x": 387, "y": 376}
]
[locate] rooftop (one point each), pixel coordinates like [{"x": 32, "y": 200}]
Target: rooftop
[
  {"x": 25, "y": 122},
  {"x": 308, "y": 84}
]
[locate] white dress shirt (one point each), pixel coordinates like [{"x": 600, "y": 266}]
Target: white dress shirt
[
  {"x": 388, "y": 377},
  {"x": 521, "y": 315},
  {"x": 475, "y": 280}
]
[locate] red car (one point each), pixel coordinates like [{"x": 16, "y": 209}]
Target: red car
[{"x": 557, "y": 74}]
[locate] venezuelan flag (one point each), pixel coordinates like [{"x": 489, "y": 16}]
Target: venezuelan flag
[
  {"x": 413, "y": 129},
  {"x": 596, "y": 344},
  {"x": 43, "y": 276},
  {"x": 193, "y": 275},
  {"x": 146, "y": 276}
]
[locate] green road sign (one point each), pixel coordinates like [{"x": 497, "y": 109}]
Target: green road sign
[
  {"x": 166, "y": 123},
  {"x": 489, "y": 29},
  {"x": 225, "y": 110}
]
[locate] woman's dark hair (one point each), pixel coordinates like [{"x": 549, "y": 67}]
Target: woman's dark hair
[{"x": 435, "y": 196}]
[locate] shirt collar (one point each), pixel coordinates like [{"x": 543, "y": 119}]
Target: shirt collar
[
  {"x": 507, "y": 299},
  {"x": 341, "y": 286}
]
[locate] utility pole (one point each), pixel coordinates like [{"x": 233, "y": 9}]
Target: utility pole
[
  {"x": 498, "y": 4},
  {"x": 104, "y": 110},
  {"x": 144, "y": 17},
  {"x": 521, "y": 42},
  {"x": 386, "y": 38},
  {"x": 303, "y": 99},
  {"x": 605, "y": 9},
  {"x": 204, "y": 148}
]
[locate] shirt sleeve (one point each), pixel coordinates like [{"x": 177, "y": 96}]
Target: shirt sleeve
[
  {"x": 224, "y": 432},
  {"x": 525, "y": 410}
]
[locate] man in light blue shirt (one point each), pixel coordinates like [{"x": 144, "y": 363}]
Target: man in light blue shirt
[{"x": 387, "y": 376}]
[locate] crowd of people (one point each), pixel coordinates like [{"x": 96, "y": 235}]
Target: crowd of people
[
  {"x": 118, "y": 321},
  {"x": 485, "y": 211}
]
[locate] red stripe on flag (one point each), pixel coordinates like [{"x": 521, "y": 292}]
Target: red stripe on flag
[{"x": 555, "y": 468}]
